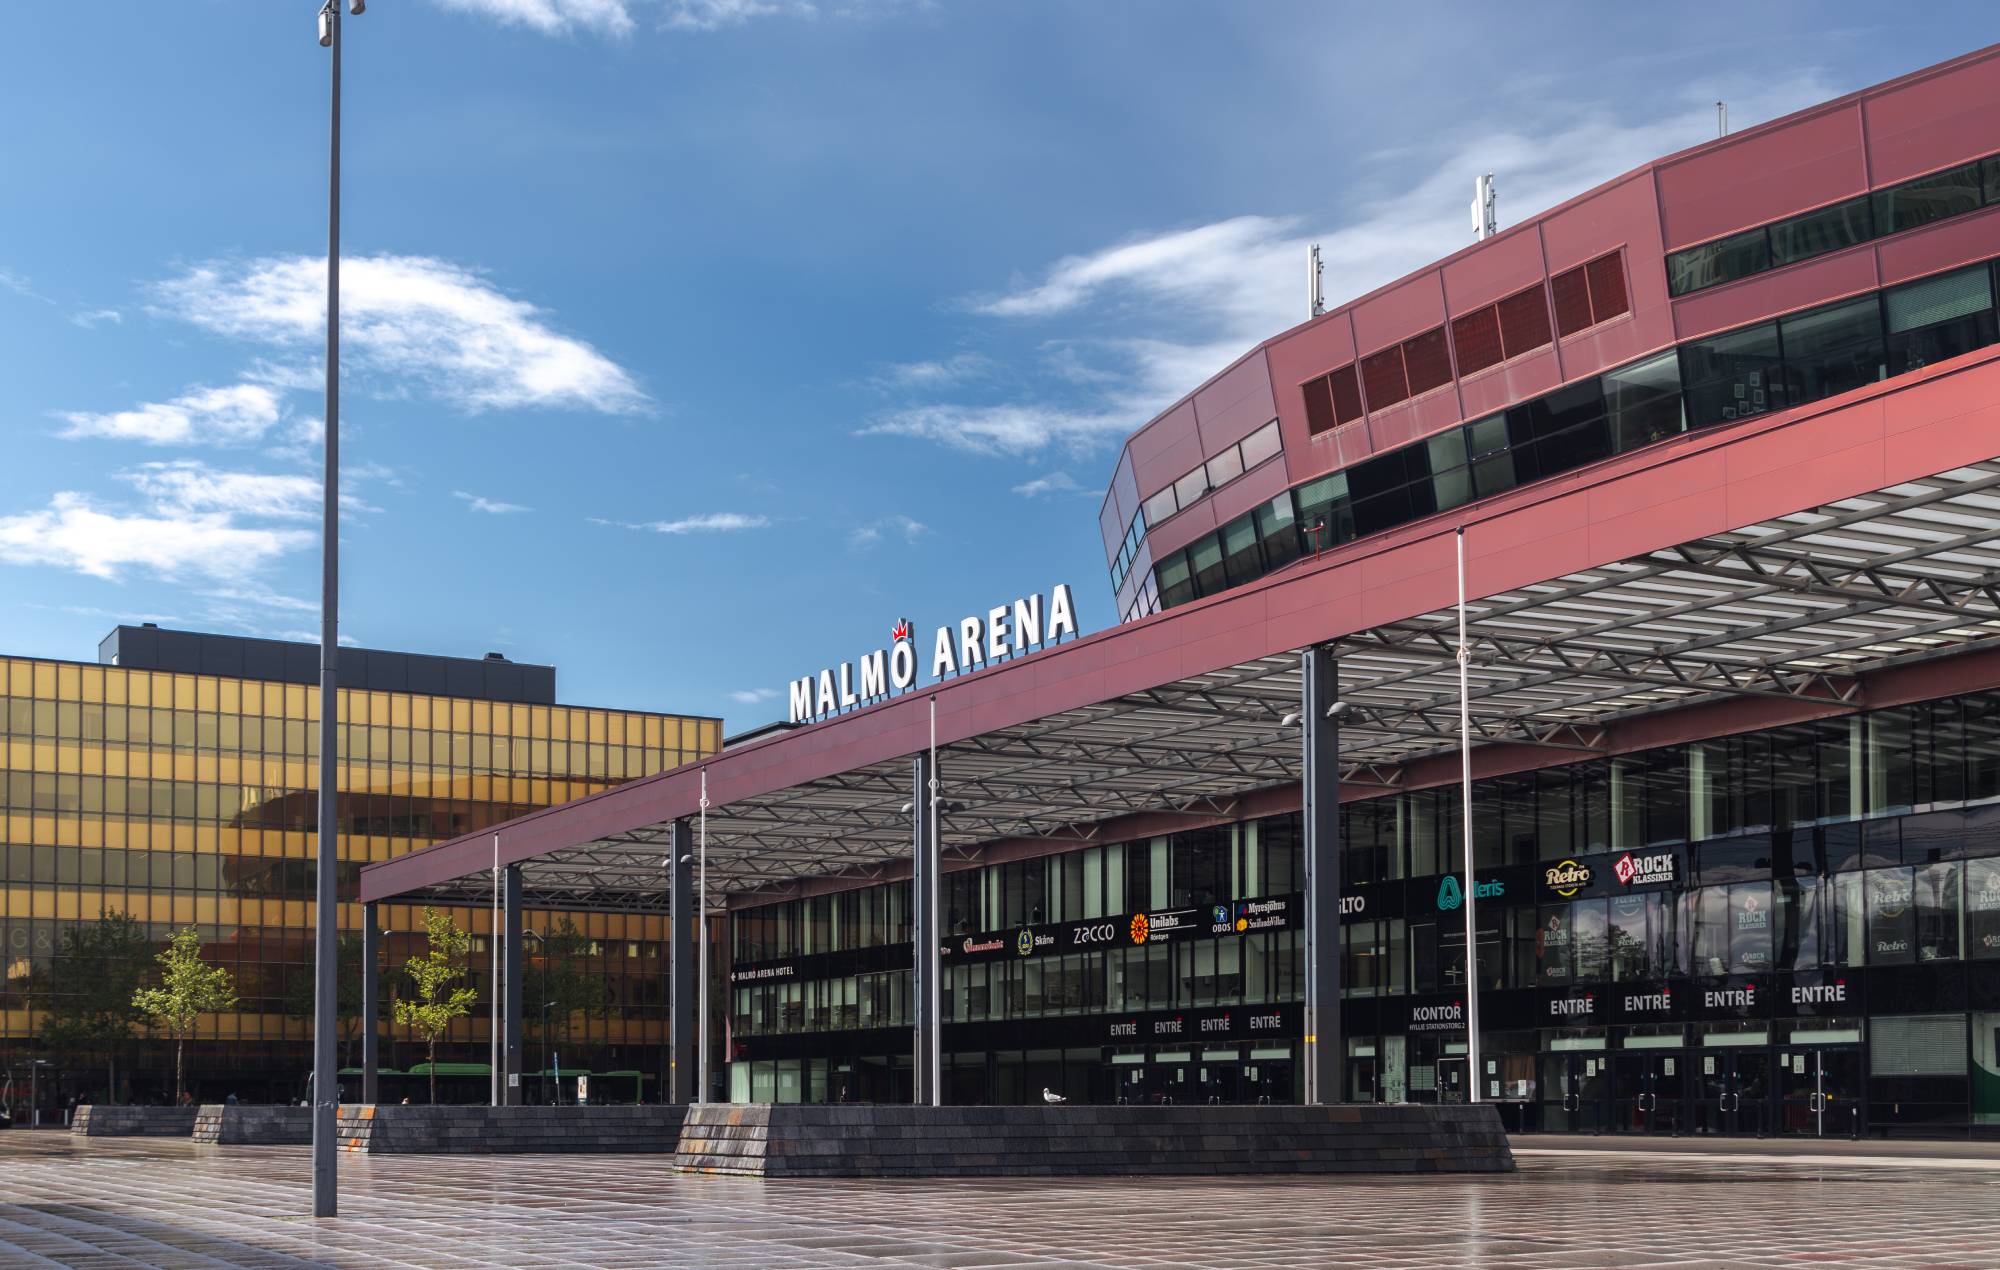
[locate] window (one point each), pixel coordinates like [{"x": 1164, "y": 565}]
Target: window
[
  {"x": 1831, "y": 350},
  {"x": 1608, "y": 298},
  {"x": 1927, "y": 198},
  {"x": 1982, "y": 908},
  {"x": 1323, "y": 504},
  {"x": 1938, "y": 318},
  {"x": 1475, "y": 338},
  {"x": 1225, "y": 467},
  {"x": 1992, "y": 167},
  {"x": 1346, "y": 394},
  {"x": 1191, "y": 487},
  {"x": 1205, "y": 561},
  {"x": 1725, "y": 260},
  {"x": 1159, "y": 506},
  {"x": 1891, "y": 922},
  {"x": 1318, "y": 395},
  {"x": 1524, "y": 321},
  {"x": 1730, "y": 376},
  {"x": 1427, "y": 361},
  {"x": 1382, "y": 378},
  {"x": 1176, "y": 583},
  {"x": 1643, "y": 402},
  {"x": 1816, "y": 233},
  {"x": 1241, "y": 559},
  {"x": 1278, "y": 530},
  {"x": 1572, "y": 292},
  {"x": 1560, "y": 431},
  {"x": 1260, "y": 445}
]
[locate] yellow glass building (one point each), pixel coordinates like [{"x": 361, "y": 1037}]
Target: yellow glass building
[{"x": 145, "y": 784}]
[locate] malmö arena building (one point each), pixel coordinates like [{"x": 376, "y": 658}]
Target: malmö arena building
[{"x": 1719, "y": 442}]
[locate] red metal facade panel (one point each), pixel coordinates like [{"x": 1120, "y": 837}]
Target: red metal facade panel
[
  {"x": 1235, "y": 404},
  {"x": 1395, "y": 314},
  {"x": 1529, "y": 377},
  {"x": 1934, "y": 121},
  {"x": 1764, "y": 176},
  {"x": 1937, "y": 247},
  {"x": 1780, "y": 291},
  {"x": 1499, "y": 267},
  {"x": 1297, "y": 356},
  {"x": 1166, "y": 450}
]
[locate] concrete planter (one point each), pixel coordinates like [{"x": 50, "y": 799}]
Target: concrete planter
[
  {"x": 102, "y": 1121},
  {"x": 253, "y": 1126},
  {"x": 396, "y": 1129}
]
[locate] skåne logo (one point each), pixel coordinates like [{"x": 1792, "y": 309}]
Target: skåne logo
[{"x": 1024, "y": 943}]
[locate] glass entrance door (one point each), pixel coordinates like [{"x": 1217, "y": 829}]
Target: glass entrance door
[
  {"x": 1171, "y": 1077},
  {"x": 1647, "y": 1093},
  {"x": 1735, "y": 1092},
  {"x": 1819, "y": 1091},
  {"x": 1574, "y": 1091}
]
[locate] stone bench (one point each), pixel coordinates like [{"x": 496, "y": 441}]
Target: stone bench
[
  {"x": 397, "y": 1129},
  {"x": 253, "y": 1126},
  {"x": 101, "y": 1120},
  {"x": 763, "y": 1140}
]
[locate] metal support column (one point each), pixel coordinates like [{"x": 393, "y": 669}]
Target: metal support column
[
  {"x": 510, "y": 991},
  {"x": 682, "y": 931},
  {"x": 371, "y": 1001},
  {"x": 1324, "y": 1058},
  {"x": 924, "y": 987}
]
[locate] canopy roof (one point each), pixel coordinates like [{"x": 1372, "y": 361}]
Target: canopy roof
[{"x": 1785, "y": 560}]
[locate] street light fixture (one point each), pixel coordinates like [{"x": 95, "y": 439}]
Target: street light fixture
[
  {"x": 35, "y": 1066},
  {"x": 326, "y": 913}
]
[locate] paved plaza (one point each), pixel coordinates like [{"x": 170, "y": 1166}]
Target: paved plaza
[{"x": 164, "y": 1203}]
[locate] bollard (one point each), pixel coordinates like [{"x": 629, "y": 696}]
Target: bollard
[{"x": 1854, "y": 1119}]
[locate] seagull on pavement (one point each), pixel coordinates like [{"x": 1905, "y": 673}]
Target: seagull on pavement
[{"x": 1051, "y": 1098}]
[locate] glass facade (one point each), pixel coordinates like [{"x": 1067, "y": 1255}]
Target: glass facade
[
  {"x": 181, "y": 798},
  {"x": 1767, "y": 932},
  {"x": 1722, "y": 378}
]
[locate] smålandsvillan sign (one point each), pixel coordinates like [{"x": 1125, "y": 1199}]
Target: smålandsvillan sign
[{"x": 1006, "y": 630}]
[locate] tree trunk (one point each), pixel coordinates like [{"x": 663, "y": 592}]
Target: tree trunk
[
  {"x": 178, "y": 1043},
  {"x": 432, "y": 1050},
  {"x": 111, "y": 1080}
]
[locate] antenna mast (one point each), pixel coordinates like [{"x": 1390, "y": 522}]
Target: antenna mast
[
  {"x": 1485, "y": 221},
  {"x": 1315, "y": 273},
  {"x": 1721, "y": 119}
]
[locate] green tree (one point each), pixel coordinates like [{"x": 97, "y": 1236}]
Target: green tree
[
  {"x": 189, "y": 988},
  {"x": 559, "y": 982},
  {"x": 431, "y": 973},
  {"x": 300, "y": 992},
  {"x": 98, "y": 968}
]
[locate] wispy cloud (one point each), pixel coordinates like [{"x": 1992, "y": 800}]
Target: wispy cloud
[
  {"x": 1009, "y": 429},
  {"x": 188, "y": 487},
  {"x": 898, "y": 526},
  {"x": 490, "y": 505},
  {"x": 1045, "y": 486},
  {"x": 19, "y": 285},
  {"x": 206, "y": 416},
  {"x": 754, "y": 696},
  {"x": 712, "y": 523},
  {"x": 553, "y": 17},
  {"x": 417, "y": 321},
  {"x": 74, "y": 533},
  {"x": 90, "y": 319},
  {"x": 957, "y": 369}
]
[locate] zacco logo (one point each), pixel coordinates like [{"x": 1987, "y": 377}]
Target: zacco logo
[
  {"x": 1567, "y": 878},
  {"x": 1140, "y": 928}
]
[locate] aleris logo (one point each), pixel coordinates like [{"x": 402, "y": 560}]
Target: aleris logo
[
  {"x": 1451, "y": 894},
  {"x": 1567, "y": 878}
]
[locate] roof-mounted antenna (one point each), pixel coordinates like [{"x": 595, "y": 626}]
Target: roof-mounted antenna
[
  {"x": 1721, "y": 119},
  {"x": 1485, "y": 221},
  {"x": 1315, "y": 274}
]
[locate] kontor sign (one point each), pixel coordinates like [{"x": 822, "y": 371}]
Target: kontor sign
[{"x": 973, "y": 642}]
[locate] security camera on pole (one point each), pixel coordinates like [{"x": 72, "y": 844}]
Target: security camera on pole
[{"x": 326, "y": 913}]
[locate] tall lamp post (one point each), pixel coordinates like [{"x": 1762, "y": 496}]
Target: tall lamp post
[{"x": 325, "y": 1165}]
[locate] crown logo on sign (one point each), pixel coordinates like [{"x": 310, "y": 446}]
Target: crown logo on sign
[{"x": 901, "y": 631}]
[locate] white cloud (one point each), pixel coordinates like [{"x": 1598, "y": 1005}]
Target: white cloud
[
  {"x": 491, "y": 505},
  {"x": 1043, "y": 486},
  {"x": 754, "y": 696},
  {"x": 904, "y": 527},
  {"x": 218, "y": 416},
  {"x": 19, "y": 285},
  {"x": 956, "y": 369},
  {"x": 1009, "y": 429},
  {"x": 712, "y": 523},
  {"x": 553, "y": 17},
  {"x": 89, "y": 319},
  {"x": 73, "y": 534},
  {"x": 188, "y": 486},
  {"x": 415, "y": 318}
]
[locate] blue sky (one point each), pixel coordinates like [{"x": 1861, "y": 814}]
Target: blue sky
[{"x": 692, "y": 342}]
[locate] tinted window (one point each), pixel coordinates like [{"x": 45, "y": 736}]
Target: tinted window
[
  {"x": 1926, "y": 199},
  {"x": 1560, "y": 431},
  {"x": 1938, "y": 318},
  {"x": 1828, "y": 229},
  {"x": 1643, "y": 402},
  {"x": 1240, "y": 557},
  {"x": 1730, "y": 376},
  {"x": 1735, "y": 257},
  {"x": 1159, "y": 506},
  {"x": 1191, "y": 487},
  {"x": 1224, "y": 468},
  {"x": 1176, "y": 584},
  {"x": 1278, "y": 530},
  {"x": 1205, "y": 561},
  {"x": 1992, "y": 166},
  {"x": 1260, "y": 445},
  {"x": 1833, "y": 349}
]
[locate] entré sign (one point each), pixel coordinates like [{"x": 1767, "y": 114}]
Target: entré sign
[{"x": 973, "y": 642}]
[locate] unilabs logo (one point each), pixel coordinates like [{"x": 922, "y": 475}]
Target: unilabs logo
[
  {"x": 1567, "y": 878},
  {"x": 1140, "y": 928}
]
